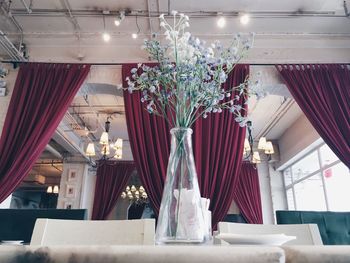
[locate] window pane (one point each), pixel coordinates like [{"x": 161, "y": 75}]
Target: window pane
[
  {"x": 287, "y": 177},
  {"x": 309, "y": 194},
  {"x": 337, "y": 179},
  {"x": 305, "y": 166},
  {"x": 290, "y": 199},
  {"x": 327, "y": 155}
]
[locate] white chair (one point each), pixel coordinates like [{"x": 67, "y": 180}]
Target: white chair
[
  {"x": 86, "y": 232},
  {"x": 306, "y": 234}
]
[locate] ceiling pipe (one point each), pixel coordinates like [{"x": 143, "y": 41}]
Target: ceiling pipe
[
  {"x": 29, "y": 10},
  {"x": 53, "y": 151},
  {"x": 196, "y": 14}
]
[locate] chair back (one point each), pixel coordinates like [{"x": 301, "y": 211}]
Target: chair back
[
  {"x": 105, "y": 232},
  {"x": 306, "y": 234}
]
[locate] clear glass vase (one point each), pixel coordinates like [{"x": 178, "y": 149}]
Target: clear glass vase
[{"x": 181, "y": 218}]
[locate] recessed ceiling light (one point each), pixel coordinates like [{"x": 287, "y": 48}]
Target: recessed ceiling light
[
  {"x": 106, "y": 37},
  {"x": 134, "y": 35},
  {"x": 244, "y": 19},
  {"x": 221, "y": 22}
]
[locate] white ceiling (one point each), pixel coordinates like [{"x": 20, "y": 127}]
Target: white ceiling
[
  {"x": 51, "y": 34},
  {"x": 287, "y": 31}
]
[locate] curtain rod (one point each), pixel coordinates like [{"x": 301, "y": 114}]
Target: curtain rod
[{"x": 15, "y": 63}]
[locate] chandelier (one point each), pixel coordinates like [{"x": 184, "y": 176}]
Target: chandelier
[
  {"x": 106, "y": 144},
  {"x": 135, "y": 195},
  {"x": 263, "y": 145}
]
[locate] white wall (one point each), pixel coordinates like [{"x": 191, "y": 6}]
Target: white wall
[
  {"x": 295, "y": 140},
  {"x": 265, "y": 192},
  {"x": 65, "y": 198},
  {"x": 88, "y": 190}
]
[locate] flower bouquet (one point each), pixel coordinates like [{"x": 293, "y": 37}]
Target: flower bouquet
[{"x": 186, "y": 84}]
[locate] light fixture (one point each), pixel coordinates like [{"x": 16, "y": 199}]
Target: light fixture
[
  {"x": 134, "y": 35},
  {"x": 221, "y": 22},
  {"x": 249, "y": 153},
  {"x": 269, "y": 148},
  {"x": 256, "y": 157},
  {"x": 104, "y": 138},
  {"x": 135, "y": 195},
  {"x": 105, "y": 145},
  {"x": 118, "y": 144},
  {"x": 119, "y": 18},
  {"x": 55, "y": 189},
  {"x": 106, "y": 37},
  {"x": 262, "y": 143},
  {"x": 118, "y": 154},
  {"x": 90, "y": 150},
  {"x": 52, "y": 190},
  {"x": 244, "y": 19},
  {"x": 49, "y": 190}
]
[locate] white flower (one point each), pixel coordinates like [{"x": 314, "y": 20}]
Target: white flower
[
  {"x": 161, "y": 16},
  {"x": 162, "y": 24},
  {"x": 174, "y": 12}
]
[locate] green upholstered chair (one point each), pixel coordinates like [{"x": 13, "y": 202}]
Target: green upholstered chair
[{"x": 334, "y": 226}]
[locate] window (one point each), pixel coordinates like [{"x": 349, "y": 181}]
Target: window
[{"x": 318, "y": 181}]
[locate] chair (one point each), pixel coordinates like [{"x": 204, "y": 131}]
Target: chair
[
  {"x": 306, "y": 234},
  {"x": 334, "y": 226},
  {"x": 18, "y": 224},
  {"x": 110, "y": 232}
]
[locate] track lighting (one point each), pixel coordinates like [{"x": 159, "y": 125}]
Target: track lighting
[{"x": 120, "y": 17}]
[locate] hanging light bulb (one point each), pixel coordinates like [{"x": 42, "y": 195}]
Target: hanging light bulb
[
  {"x": 106, "y": 37},
  {"x": 244, "y": 19},
  {"x": 262, "y": 143},
  {"x": 134, "y": 35},
  {"x": 123, "y": 195},
  {"x": 120, "y": 17},
  {"x": 221, "y": 22}
]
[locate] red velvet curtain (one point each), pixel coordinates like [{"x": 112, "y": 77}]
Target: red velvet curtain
[
  {"x": 112, "y": 178},
  {"x": 323, "y": 94},
  {"x": 247, "y": 194},
  {"x": 41, "y": 96},
  {"x": 217, "y": 143}
]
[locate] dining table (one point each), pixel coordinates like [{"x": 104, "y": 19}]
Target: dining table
[{"x": 174, "y": 254}]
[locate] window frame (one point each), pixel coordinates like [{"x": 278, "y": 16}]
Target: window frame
[{"x": 321, "y": 171}]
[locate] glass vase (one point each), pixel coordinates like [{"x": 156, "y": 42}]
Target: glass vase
[{"x": 181, "y": 217}]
